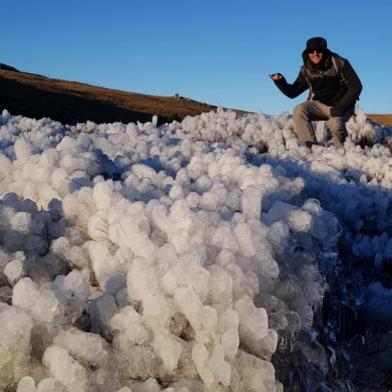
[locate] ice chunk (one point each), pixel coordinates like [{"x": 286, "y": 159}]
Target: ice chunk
[
  {"x": 132, "y": 229},
  {"x": 209, "y": 201},
  {"x": 200, "y": 357},
  {"x": 253, "y": 321},
  {"x": 21, "y": 222},
  {"x": 203, "y": 184},
  {"x": 300, "y": 220},
  {"x": 190, "y": 305},
  {"x": 65, "y": 369},
  {"x": 15, "y": 345},
  {"x": 51, "y": 385},
  {"x": 14, "y": 271},
  {"x": 209, "y": 319},
  {"x": 42, "y": 304},
  {"x": 5, "y": 116},
  {"x": 193, "y": 200},
  {"x": 176, "y": 192},
  {"x": 224, "y": 237},
  {"x": 26, "y": 384},
  {"x": 257, "y": 374},
  {"x": 230, "y": 342},
  {"x": 135, "y": 361},
  {"x": 168, "y": 348},
  {"x": 132, "y": 132},
  {"x": 142, "y": 280},
  {"x": 6, "y": 167},
  {"x": 251, "y": 202},
  {"x": 101, "y": 311},
  {"x": 279, "y": 211},
  {"x": 278, "y": 235},
  {"x": 151, "y": 385},
  {"x": 108, "y": 271},
  {"x": 219, "y": 366},
  {"x": 220, "y": 286},
  {"x": 243, "y": 235},
  {"x": 181, "y": 224},
  {"x": 88, "y": 347},
  {"x": 102, "y": 194},
  {"x": 195, "y": 276},
  {"x": 125, "y": 389},
  {"x": 23, "y": 149},
  {"x": 129, "y": 323},
  {"x": 74, "y": 284},
  {"x": 254, "y": 332},
  {"x": 122, "y": 298},
  {"x": 157, "y": 311}
]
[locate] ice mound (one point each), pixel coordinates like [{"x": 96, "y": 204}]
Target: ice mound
[
  {"x": 145, "y": 258},
  {"x": 15, "y": 344}
]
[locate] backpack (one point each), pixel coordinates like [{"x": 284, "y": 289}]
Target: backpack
[{"x": 337, "y": 65}]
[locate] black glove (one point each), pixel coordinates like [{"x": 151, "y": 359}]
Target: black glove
[
  {"x": 279, "y": 76},
  {"x": 336, "y": 112}
]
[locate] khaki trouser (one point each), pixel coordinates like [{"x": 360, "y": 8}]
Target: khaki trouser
[{"x": 306, "y": 112}]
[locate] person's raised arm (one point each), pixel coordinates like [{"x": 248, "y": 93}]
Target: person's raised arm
[{"x": 290, "y": 90}]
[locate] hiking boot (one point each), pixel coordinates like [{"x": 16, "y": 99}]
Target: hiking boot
[{"x": 308, "y": 144}]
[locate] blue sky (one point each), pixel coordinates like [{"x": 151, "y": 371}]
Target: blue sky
[{"x": 219, "y": 52}]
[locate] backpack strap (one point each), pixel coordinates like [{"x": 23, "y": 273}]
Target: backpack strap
[
  {"x": 338, "y": 63},
  {"x": 305, "y": 74}
]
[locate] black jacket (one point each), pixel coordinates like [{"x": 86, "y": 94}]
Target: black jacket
[{"x": 327, "y": 86}]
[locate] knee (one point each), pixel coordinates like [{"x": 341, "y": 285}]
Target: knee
[{"x": 300, "y": 110}]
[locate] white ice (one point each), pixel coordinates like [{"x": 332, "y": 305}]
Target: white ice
[{"x": 132, "y": 254}]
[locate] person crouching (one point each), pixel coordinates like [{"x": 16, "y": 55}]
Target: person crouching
[{"x": 334, "y": 88}]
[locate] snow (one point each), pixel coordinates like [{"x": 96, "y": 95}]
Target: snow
[{"x": 139, "y": 254}]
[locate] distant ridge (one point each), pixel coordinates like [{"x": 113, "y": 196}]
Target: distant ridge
[
  {"x": 383, "y": 119},
  {"x": 70, "y": 102},
  {"x": 8, "y": 67}
]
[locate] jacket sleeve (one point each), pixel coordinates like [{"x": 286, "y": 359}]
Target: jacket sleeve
[
  {"x": 354, "y": 87},
  {"x": 292, "y": 90}
]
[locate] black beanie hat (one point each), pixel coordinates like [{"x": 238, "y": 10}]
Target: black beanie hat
[{"x": 316, "y": 43}]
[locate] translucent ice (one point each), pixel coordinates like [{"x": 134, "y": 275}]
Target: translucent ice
[
  {"x": 26, "y": 384},
  {"x": 88, "y": 347},
  {"x": 65, "y": 369},
  {"x": 15, "y": 344},
  {"x": 14, "y": 271},
  {"x": 176, "y": 251}
]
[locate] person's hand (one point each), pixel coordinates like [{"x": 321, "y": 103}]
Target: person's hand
[{"x": 276, "y": 76}]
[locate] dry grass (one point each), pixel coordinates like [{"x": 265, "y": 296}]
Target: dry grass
[
  {"x": 383, "y": 119},
  {"x": 71, "y": 102}
]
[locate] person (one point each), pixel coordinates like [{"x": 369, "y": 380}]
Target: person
[{"x": 334, "y": 88}]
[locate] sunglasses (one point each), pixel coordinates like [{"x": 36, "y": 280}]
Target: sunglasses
[{"x": 317, "y": 51}]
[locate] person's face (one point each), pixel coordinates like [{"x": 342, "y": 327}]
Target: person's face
[{"x": 315, "y": 56}]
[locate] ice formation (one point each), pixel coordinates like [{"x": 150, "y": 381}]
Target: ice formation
[{"x": 143, "y": 258}]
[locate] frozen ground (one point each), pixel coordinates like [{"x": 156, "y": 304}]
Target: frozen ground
[{"x": 143, "y": 258}]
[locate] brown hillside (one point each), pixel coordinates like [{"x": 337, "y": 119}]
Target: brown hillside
[
  {"x": 383, "y": 119},
  {"x": 72, "y": 102}
]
